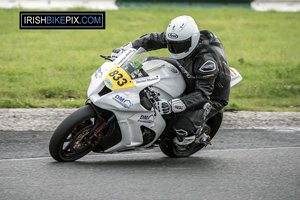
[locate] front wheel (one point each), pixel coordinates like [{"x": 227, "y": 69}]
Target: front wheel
[
  {"x": 169, "y": 148},
  {"x": 67, "y": 143}
]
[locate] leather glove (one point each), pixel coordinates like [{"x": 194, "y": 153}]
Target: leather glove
[
  {"x": 177, "y": 105},
  {"x": 118, "y": 51},
  {"x": 166, "y": 107},
  {"x": 163, "y": 107}
]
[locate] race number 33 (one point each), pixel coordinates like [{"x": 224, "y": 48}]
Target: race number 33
[
  {"x": 117, "y": 76},
  {"x": 118, "y": 79}
]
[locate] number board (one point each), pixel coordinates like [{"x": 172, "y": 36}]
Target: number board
[{"x": 118, "y": 79}]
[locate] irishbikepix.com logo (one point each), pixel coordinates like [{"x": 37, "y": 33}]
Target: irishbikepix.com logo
[{"x": 62, "y": 20}]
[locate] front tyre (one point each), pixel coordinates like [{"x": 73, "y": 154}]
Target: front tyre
[
  {"x": 169, "y": 148},
  {"x": 67, "y": 143}
]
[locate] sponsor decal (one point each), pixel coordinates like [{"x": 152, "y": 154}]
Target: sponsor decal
[
  {"x": 232, "y": 73},
  {"x": 98, "y": 73},
  {"x": 146, "y": 80},
  {"x": 173, "y": 35},
  {"x": 109, "y": 82},
  {"x": 126, "y": 103},
  {"x": 62, "y": 20},
  {"x": 208, "y": 66},
  {"x": 179, "y": 107},
  {"x": 147, "y": 118}
]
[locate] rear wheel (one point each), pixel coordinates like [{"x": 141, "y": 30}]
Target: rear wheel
[
  {"x": 68, "y": 142},
  {"x": 169, "y": 148}
]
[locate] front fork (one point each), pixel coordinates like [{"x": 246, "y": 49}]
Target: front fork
[{"x": 99, "y": 127}]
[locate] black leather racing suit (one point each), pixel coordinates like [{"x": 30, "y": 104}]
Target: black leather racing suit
[{"x": 210, "y": 82}]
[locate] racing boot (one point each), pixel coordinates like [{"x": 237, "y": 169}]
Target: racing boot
[{"x": 202, "y": 135}]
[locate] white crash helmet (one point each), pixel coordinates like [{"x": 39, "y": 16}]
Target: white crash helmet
[{"x": 182, "y": 36}]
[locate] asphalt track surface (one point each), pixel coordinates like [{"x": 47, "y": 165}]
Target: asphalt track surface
[{"x": 241, "y": 164}]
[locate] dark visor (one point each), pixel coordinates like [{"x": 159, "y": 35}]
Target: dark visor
[{"x": 179, "y": 46}]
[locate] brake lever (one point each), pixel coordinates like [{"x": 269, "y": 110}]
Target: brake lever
[{"x": 106, "y": 57}]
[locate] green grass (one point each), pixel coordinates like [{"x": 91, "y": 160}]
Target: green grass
[{"x": 52, "y": 68}]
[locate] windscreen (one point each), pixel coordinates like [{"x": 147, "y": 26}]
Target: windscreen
[{"x": 133, "y": 65}]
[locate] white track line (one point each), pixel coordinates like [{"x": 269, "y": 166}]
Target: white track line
[{"x": 147, "y": 153}]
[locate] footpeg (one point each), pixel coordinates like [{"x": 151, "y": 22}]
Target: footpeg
[
  {"x": 203, "y": 139},
  {"x": 181, "y": 132},
  {"x": 184, "y": 140}
]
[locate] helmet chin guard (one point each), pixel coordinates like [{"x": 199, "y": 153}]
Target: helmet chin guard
[{"x": 182, "y": 36}]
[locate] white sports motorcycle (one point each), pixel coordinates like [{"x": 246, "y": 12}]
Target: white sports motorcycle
[{"x": 120, "y": 113}]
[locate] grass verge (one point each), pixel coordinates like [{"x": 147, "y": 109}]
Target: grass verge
[{"x": 52, "y": 68}]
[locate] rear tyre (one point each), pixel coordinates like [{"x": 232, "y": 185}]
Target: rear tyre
[
  {"x": 169, "y": 148},
  {"x": 67, "y": 143}
]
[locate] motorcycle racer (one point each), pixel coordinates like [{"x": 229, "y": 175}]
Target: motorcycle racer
[{"x": 201, "y": 58}]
